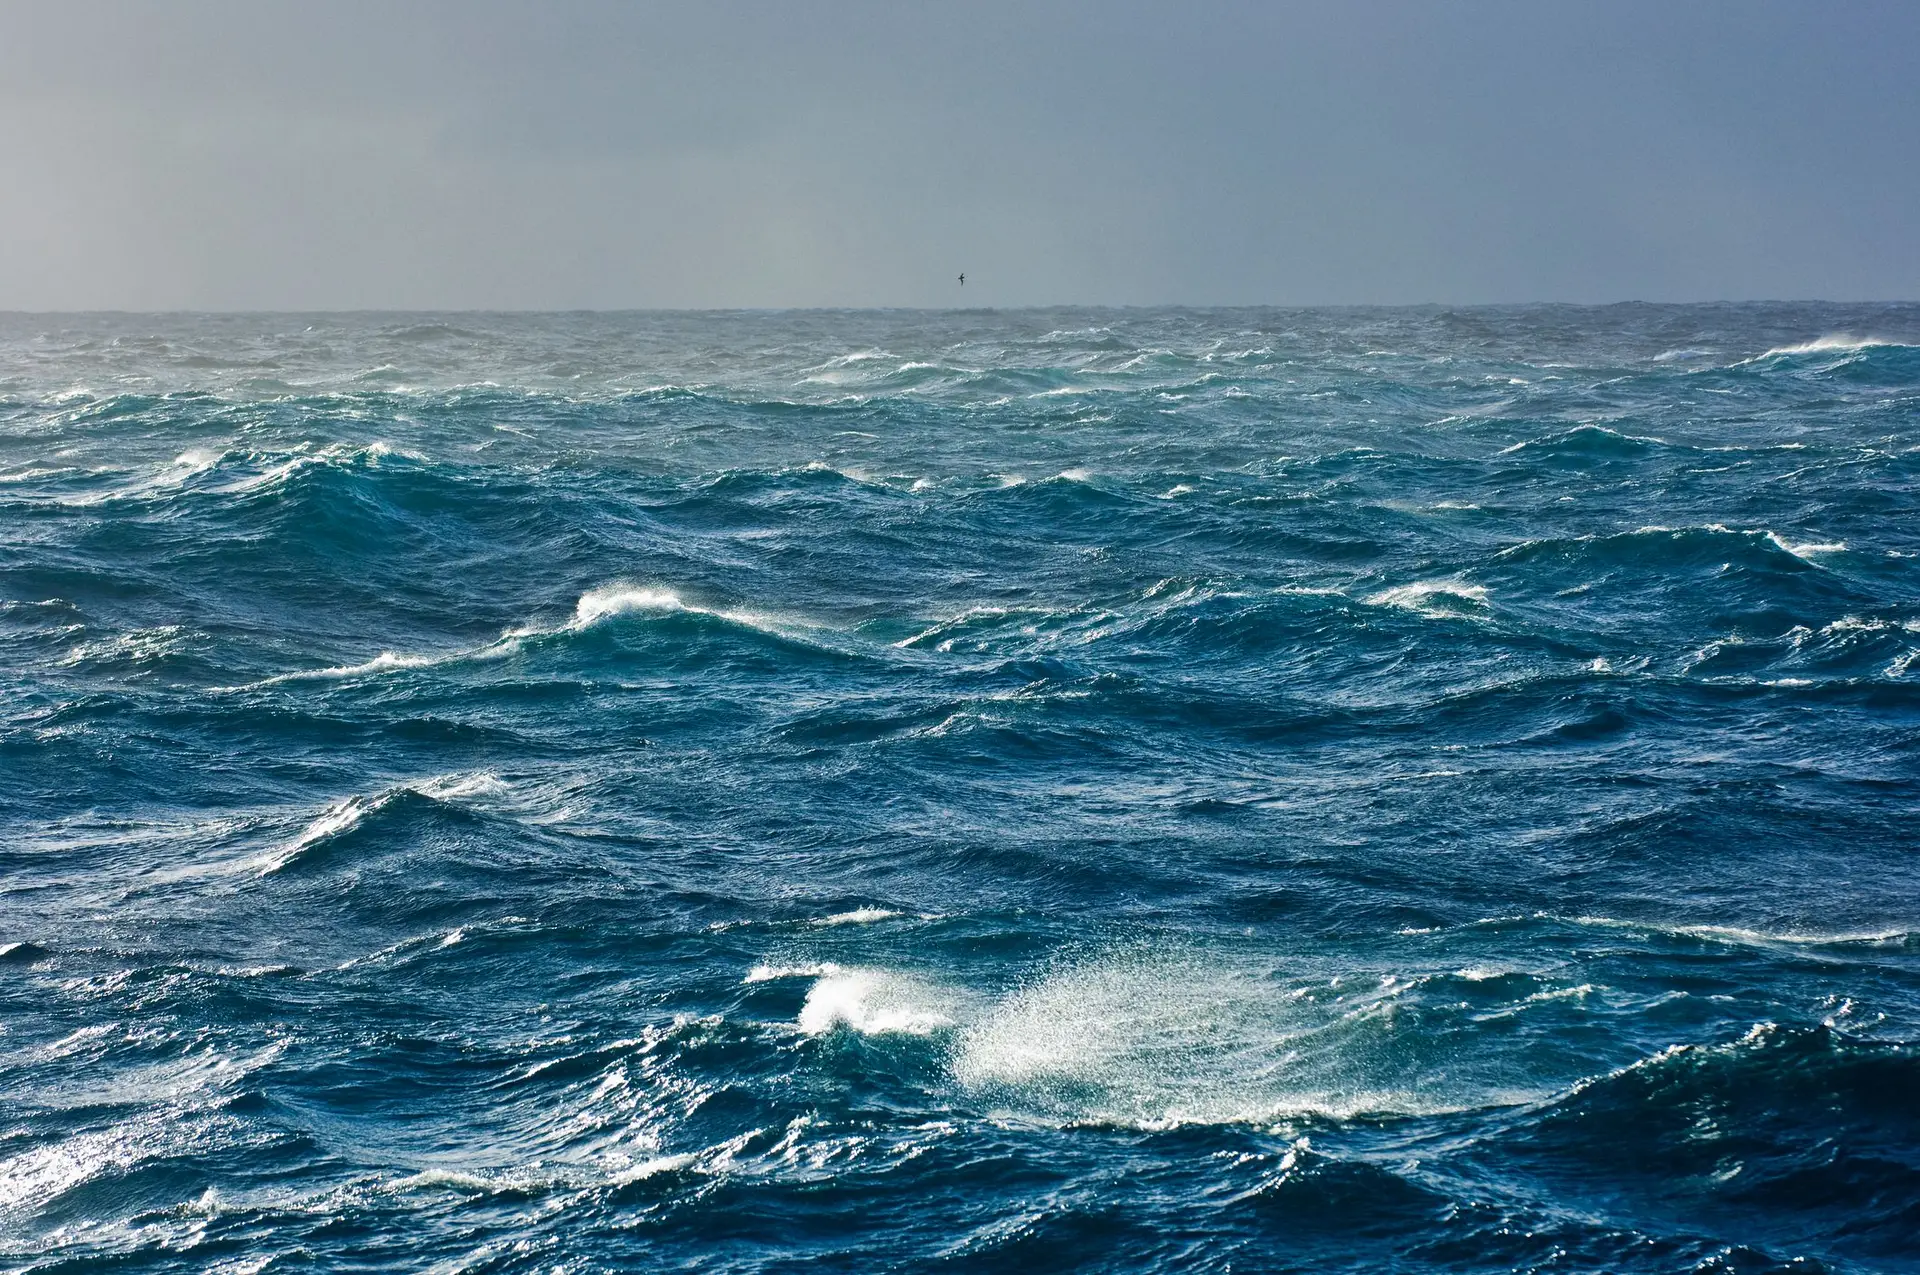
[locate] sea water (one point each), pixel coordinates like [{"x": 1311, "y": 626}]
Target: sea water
[{"x": 1253, "y": 790}]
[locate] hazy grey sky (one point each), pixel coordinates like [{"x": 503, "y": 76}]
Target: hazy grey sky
[{"x": 477, "y": 154}]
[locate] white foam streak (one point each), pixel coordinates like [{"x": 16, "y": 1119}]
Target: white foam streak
[
  {"x": 1747, "y": 936},
  {"x": 385, "y": 662}
]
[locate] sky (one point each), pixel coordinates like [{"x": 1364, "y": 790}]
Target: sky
[{"x": 252, "y": 154}]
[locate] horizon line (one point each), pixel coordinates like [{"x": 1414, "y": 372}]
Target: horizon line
[{"x": 923, "y": 309}]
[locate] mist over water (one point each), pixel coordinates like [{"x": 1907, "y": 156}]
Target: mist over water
[{"x": 1111, "y": 790}]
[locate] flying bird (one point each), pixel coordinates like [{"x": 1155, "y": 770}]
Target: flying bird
[{"x": 963, "y": 278}]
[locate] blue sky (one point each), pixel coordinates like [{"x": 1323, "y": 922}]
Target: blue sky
[{"x": 449, "y": 155}]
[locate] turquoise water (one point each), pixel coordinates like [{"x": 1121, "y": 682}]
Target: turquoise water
[{"x": 1100, "y": 790}]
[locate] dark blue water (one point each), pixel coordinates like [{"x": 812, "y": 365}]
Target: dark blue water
[{"x": 1140, "y": 790}]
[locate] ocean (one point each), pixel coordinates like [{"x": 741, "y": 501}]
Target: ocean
[{"x": 1237, "y": 790}]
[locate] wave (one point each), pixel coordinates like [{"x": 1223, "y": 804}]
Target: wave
[
  {"x": 595, "y": 608},
  {"x": 539, "y": 1180},
  {"x": 349, "y": 813},
  {"x": 168, "y": 479},
  {"x": 619, "y": 599},
  {"x": 181, "y": 1117},
  {"x": 385, "y": 662},
  {"x": 1596, "y": 441},
  {"x": 139, "y": 648},
  {"x": 1746, "y": 936},
  {"x": 607, "y": 605},
  {"x": 976, "y": 629},
  {"x": 244, "y": 471},
  {"x": 693, "y": 813},
  {"x": 336, "y": 819},
  {"x": 768, "y": 973},
  {"x": 1809, "y": 549},
  {"x": 875, "y": 1003},
  {"x": 1757, "y": 1119},
  {"x": 870, "y": 1001},
  {"x": 1151, "y": 1038},
  {"x": 1787, "y": 936},
  {"x": 1707, "y": 544},
  {"x": 1156, "y": 1038},
  {"x": 858, "y": 916},
  {"x": 1436, "y": 599},
  {"x": 1834, "y": 343}
]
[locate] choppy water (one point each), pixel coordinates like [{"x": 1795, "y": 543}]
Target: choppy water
[{"x": 1240, "y": 790}]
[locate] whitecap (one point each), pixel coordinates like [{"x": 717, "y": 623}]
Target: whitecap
[
  {"x": 764, "y": 973},
  {"x": 620, "y": 599},
  {"x": 1809, "y": 548},
  {"x": 858, "y": 916},
  {"x": 874, "y": 1003},
  {"x": 454, "y": 786},
  {"x": 469, "y": 1182},
  {"x": 858, "y": 356},
  {"x": 594, "y": 607},
  {"x": 138, "y": 646},
  {"x": 650, "y": 1168},
  {"x": 1436, "y": 599},
  {"x": 612, "y": 601},
  {"x": 332, "y": 821},
  {"x": 1834, "y": 343},
  {"x": 169, "y": 477}
]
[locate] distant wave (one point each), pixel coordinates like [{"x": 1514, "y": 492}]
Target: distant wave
[
  {"x": 1836, "y": 343},
  {"x": 1595, "y": 439},
  {"x": 595, "y": 607},
  {"x": 1706, "y": 538},
  {"x": 1748, "y": 936}
]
